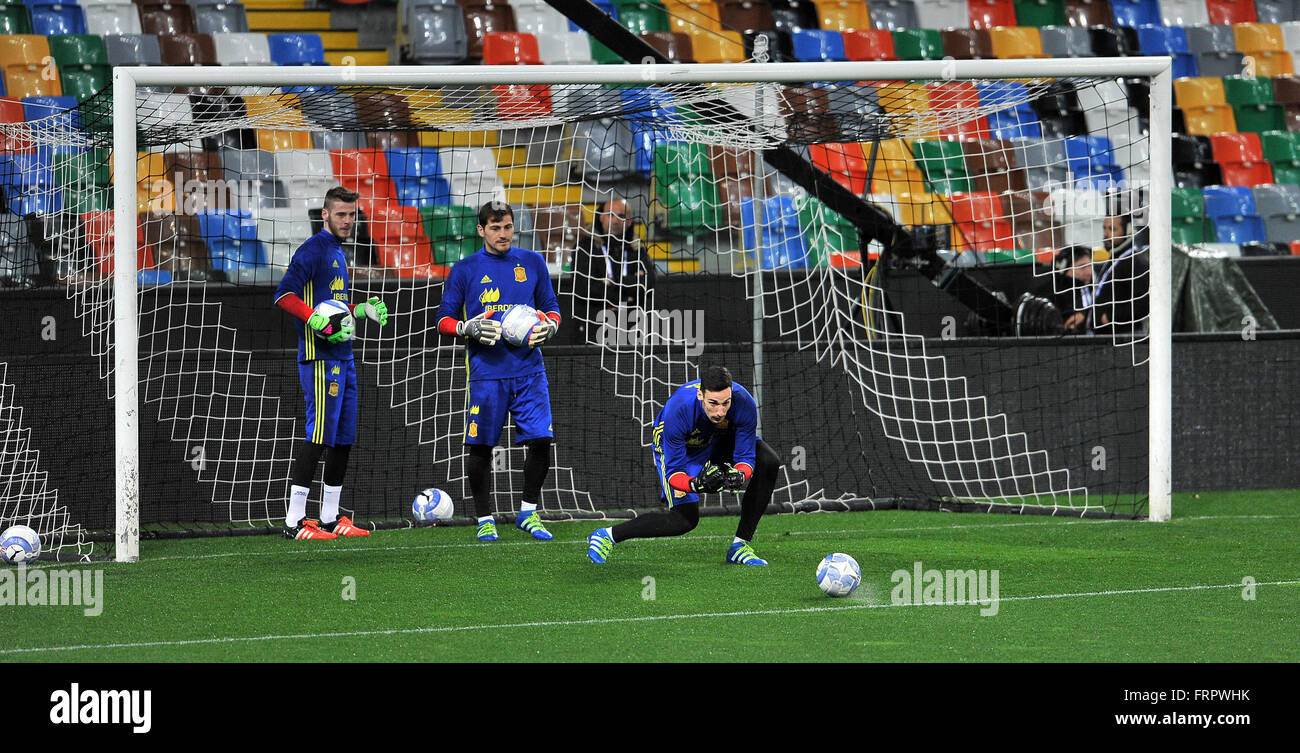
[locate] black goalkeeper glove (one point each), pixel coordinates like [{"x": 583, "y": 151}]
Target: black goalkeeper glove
[
  {"x": 735, "y": 479},
  {"x": 711, "y": 479}
]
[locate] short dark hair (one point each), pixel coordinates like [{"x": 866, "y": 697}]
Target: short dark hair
[
  {"x": 493, "y": 211},
  {"x": 1071, "y": 255},
  {"x": 339, "y": 193},
  {"x": 715, "y": 379}
]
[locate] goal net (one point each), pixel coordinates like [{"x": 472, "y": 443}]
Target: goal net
[{"x": 890, "y": 256}]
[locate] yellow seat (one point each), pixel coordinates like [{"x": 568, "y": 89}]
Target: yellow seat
[
  {"x": 1211, "y": 119},
  {"x": 23, "y": 58},
  {"x": 842, "y": 15},
  {"x": 274, "y": 141},
  {"x": 275, "y": 109},
  {"x": 1016, "y": 42},
  {"x": 692, "y": 16},
  {"x": 1252, "y": 37},
  {"x": 1199, "y": 92},
  {"x": 1269, "y": 63},
  {"x": 718, "y": 47}
]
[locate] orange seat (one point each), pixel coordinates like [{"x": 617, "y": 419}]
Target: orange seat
[
  {"x": 718, "y": 47},
  {"x": 692, "y": 16},
  {"x": 16, "y": 135},
  {"x": 1017, "y": 42},
  {"x": 987, "y": 14},
  {"x": 842, "y": 15},
  {"x": 523, "y": 101},
  {"x": 958, "y": 97},
  {"x": 364, "y": 171},
  {"x": 1199, "y": 92},
  {"x": 982, "y": 220},
  {"x": 23, "y": 58},
  {"x": 869, "y": 44},
  {"x": 843, "y": 162},
  {"x": 1203, "y": 121},
  {"x": 274, "y": 141},
  {"x": 510, "y": 48}
]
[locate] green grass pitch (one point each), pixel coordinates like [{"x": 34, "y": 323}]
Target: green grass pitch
[{"x": 1069, "y": 590}]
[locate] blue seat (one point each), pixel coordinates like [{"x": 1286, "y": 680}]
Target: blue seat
[
  {"x": 818, "y": 45},
  {"x": 54, "y": 17},
  {"x": 1168, "y": 40},
  {"x": 231, "y": 237},
  {"x": 296, "y": 49},
  {"x": 1232, "y": 211},
  {"x": 417, "y": 177},
  {"x": 650, "y": 123},
  {"x": 1136, "y": 13},
  {"x": 26, "y": 172},
  {"x": 64, "y": 108},
  {"x": 1010, "y": 114},
  {"x": 607, "y": 6},
  {"x": 783, "y": 243}
]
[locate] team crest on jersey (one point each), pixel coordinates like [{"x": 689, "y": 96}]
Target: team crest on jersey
[
  {"x": 337, "y": 284},
  {"x": 491, "y": 295},
  {"x": 473, "y": 411},
  {"x": 473, "y": 428},
  {"x": 334, "y": 389},
  {"x": 485, "y": 281},
  {"x": 521, "y": 274}
]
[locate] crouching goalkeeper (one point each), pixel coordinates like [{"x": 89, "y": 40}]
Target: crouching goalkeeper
[{"x": 704, "y": 442}]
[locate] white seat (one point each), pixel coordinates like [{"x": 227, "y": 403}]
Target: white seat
[
  {"x": 565, "y": 48},
  {"x": 1081, "y": 215},
  {"x": 1184, "y": 12},
  {"x": 111, "y": 17},
  {"x": 242, "y": 49},
  {"x": 1291, "y": 36},
  {"x": 540, "y": 20},
  {"x": 303, "y": 163},
  {"x": 158, "y": 109},
  {"x": 943, "y": 14}
]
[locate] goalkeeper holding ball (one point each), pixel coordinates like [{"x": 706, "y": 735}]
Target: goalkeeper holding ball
[
  {"x": 319, "y": 272},
  {"x": 704, "y": 442},
  {"x": 501, "y": 301}
]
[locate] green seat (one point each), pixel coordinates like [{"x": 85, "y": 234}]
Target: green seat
[
  {"x": 918, "y": 44},
  {"x": 1251, "y": 98},
  {"x": 677, "y": 160},
  {"x": 1040, "y": 12},
  {"x": 1187, "y": 216},
  {"x": 603, "y": 55},
  {"x": 88, "y": 168},
  {"x": 452, "y": 231},
  {"x": 82, "y": 62},
  {"x": 640, "y": 16},
  {"x": 692, "y": 206},
  {"x": 1282, "y": 150},
  {"x": 13, "y": 19},
  {"x": 825, "y": 231},
  {"x": 942, "y": 165},
  {"x": 80, "y": 199}
]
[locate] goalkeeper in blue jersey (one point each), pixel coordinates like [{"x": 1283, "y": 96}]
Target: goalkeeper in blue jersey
[
  {"x": 503, "y": 378},
  {"x": 704, "y": 442},
  {"x": 318, "y": 272}
]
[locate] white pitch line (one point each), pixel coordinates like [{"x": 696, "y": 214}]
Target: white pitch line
[
  {"x": 608, "y": 620},
  {"x": 840, "y": 532}
]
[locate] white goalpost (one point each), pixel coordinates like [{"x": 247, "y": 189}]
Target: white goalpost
[{"x": 918, "y": 413}]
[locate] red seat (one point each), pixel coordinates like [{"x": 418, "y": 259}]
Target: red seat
[
  {"x": 1241, "y": 157},
  {"x": 985, "y": 14},
  {"x": 1231, "y": 11},
  {"x": 869, "y": 44},
  {"x": 983, "y": 221},
  {"x": 523, "y": 101},
  {"x": 510, "y": 48},
  {"x": 843, "y": 162},
  {"x": 1295, "y": 248},
  {"x": 955, "y": 96},
  {"x": 399, "y": 238},
  {"x": 98, "y": 227},
  {"x": 364, "y": 171},
  {"x": 15, "y": 139}
]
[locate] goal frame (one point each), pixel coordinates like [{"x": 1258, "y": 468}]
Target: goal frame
[{"x": 126, "y": 81}]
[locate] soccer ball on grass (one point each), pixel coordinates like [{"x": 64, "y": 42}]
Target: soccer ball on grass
[
  {"x": 838, "y": 574},
  {"x": 432, "y": 504},
  {"x": 19, "y": 544}
]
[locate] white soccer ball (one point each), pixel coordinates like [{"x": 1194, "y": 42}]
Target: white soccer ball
[
  {"x": 432, "y": 504},
  {"x": 338, "y": 313},
  {"x": 518, "y": 323},
  {"x": 19, "y": 544},
  {"x": 838, "y": 574}
]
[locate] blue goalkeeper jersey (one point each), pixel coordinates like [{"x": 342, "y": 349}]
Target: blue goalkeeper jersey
[
  {"x": 484, "y": 282},
  {"x": 317, "y": 272},
  {"x": 687, "y": 438}
]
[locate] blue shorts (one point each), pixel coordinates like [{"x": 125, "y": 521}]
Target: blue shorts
[
  {"x": 331, "y": 390},
  {"x": 724, "y": 451},
  {"x": 527, "y": 398}
]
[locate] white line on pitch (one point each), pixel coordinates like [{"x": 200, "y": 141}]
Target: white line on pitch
[{"x": 608, "y": 620}]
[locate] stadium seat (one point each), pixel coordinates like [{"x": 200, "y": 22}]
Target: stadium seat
[
  {"x": 50, "y": 17},
  {"x": 1199, "y": 92},
  {"x": 1043, "y": 162},
  {"x": 1215, "y": 48},
  {"x": 1282, "y": 150},
  {"x": 1276, "y": 11},
  {"x": 433, "y": 32},
  {"x": 990, "y": 164},
  {"x": 842, "y": 15},
  {"x": 1184, "y": 13},
  {"x": 918, "y": 44},
  {"x": 967, "y": 44},
  {"x": 1092, "y": 161},
  {"x": 1009, "y": 115},
  {"x": 1033, "y": 225},
  {"x": 1059, "y": 111},
  {"x": 1187, "y": 216},
  {"x": 510, "y": 48},
  {"x": 845, "y": 163},
  {"x": 1080, "y": 214},
  {"x": 166, "y": 18},
  {"x": 481, "y": 20},
  {"x": 1066, "y": 42},
  {"x": 1016, "y": 42},
  {"x": 986, "y": 14},
  {"x": 943, "y": 165},
  {"x": 1194, "y": 164},
  {"x": 451, "y": 230},
  {"x": 97, "y": 229},
  {"x": 112, "y": 17},
  {"x": 538, "y": 18},
  {"x": 673, "y": 45},
  {"x": 781, "y": 236},
  {"x": 417, "y": 176},
  {"x": 399, "y": 237},
  {"x": 364, "y": 171},
  {"x": 607, "y": 147},
  {"x": 746, "y": 15},
  {"x": 1264, "y": 44},
  {"x": 22, "y": 57},
  {"x": 1241, "y": 158},
  {"x": 1114, "y": 41},
  {"x": 1136, "y": 13},
  {"x": 82, "y": 62},
  {"x": 963, "y": 99},
  {"x": 471, "y": 174},
  {"x": 1089, "y": 13},
  {"x": 816, "y": 45},
  {"x": 296, "y": 49},
  {"x": 826, "y": 233},
  {"x": 889, "y": 15},
  {"x": 683, "y": 184},
  {"x": 14, "y": 18},
  {"x": 869, "y": 44},
  {"x": 943, "y": 14},
  {"x": 565, "y": 48},
  {"x": 1286, "y": 92},
  {"x": 640, "y": 16},
  {"x": 132, "y": 49},
  {"x": 187, "y": 49},
  {"x": 242, "y": 49},
  {"x": 1252, "y": 103},
  {"x": 1231, "y": 11},
  {"x": 1279, "y": 207},
  {"x": 1040, "y": 12},
  {"x": 982, "y": 221},
  {"x": 220, "y": 17},
  {"x": 1167, "y": 40},
  {"x": 1231, "y": 209},
  {"x": 793, "y": 15},
  {"x": 231, "y": 238}
]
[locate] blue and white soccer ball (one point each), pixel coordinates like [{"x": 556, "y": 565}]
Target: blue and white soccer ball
[
  {"x": 838, "y": 574},
  {"x": 338, "y": 313},
  {"x": 432, "y": 504},
  {"x": 518, "y": 323},
  {"x": 19, "y": 544}
]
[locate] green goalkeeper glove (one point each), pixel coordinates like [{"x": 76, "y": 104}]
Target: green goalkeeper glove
[
  {"x": 735, "y": 479},
  {"x": 374, "y": 309},
  {"x": 319, "y": 322},
  {"x": 543, "y": 330},
  {"x": 711, "y": 479},
  {"x": 481, "y": 328}
]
